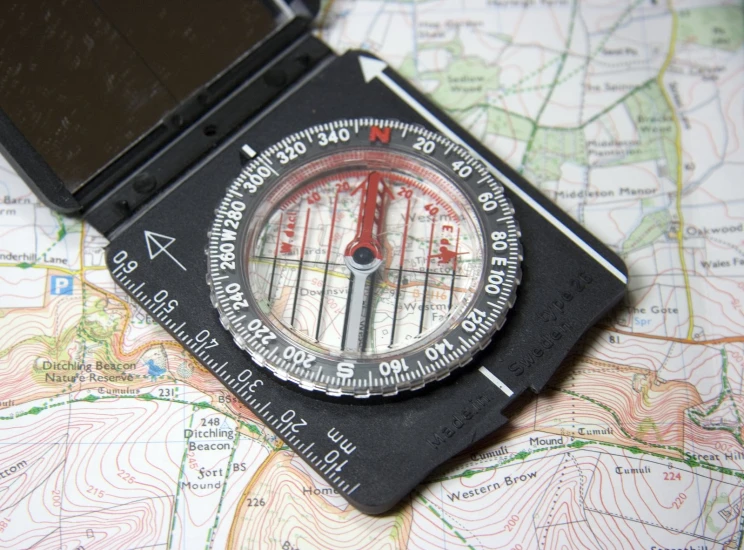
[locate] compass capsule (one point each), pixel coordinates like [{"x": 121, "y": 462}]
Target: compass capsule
[{"x": 364, "y": 257}]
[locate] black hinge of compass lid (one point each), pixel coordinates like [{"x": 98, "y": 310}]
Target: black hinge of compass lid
[
  {"x": 33, "y": 139},
  {"x": 153, "y": 175}
]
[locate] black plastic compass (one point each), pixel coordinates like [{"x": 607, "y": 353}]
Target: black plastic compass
[{"x": 377, "y": 286}]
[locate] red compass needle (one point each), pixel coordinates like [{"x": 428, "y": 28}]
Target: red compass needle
[
  {"x": 363, "y": 256},
  {"x": 368, "y": 209}
]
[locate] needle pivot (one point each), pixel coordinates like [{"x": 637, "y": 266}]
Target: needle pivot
[{"x": 363, "y": 255}]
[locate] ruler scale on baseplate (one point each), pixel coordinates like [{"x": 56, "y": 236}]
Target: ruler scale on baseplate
[{"x": 215, "y": 352}]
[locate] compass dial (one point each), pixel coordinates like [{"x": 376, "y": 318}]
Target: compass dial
[{"x": 364, "y": 257}]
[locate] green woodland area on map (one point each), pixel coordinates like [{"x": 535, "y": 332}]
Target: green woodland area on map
[
  {"x": 467, "y": 83},
  {"x": 554, "y": 146}
]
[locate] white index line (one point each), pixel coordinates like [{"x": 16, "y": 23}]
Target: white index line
[
  {"x": 498, "y": 383},
  {"x": 439, "y": 125},
  {"x": 248, "y": 150}
]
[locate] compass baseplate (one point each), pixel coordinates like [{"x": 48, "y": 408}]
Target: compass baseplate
[{"x": 373, "y": 451}]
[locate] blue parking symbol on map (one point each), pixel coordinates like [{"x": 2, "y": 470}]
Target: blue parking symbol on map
[{"x": 61, "y": 285}]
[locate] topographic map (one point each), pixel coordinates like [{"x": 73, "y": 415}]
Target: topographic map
[{"x": 630, "y": 116}]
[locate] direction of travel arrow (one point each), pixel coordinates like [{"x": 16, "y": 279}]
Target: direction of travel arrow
[{"x": 157, "y": 244}]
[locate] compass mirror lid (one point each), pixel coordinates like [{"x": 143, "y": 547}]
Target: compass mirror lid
[{"x": 89, "y": 89}]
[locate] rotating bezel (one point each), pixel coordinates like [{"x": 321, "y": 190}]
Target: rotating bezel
[{"x": 289, "y": 360}]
